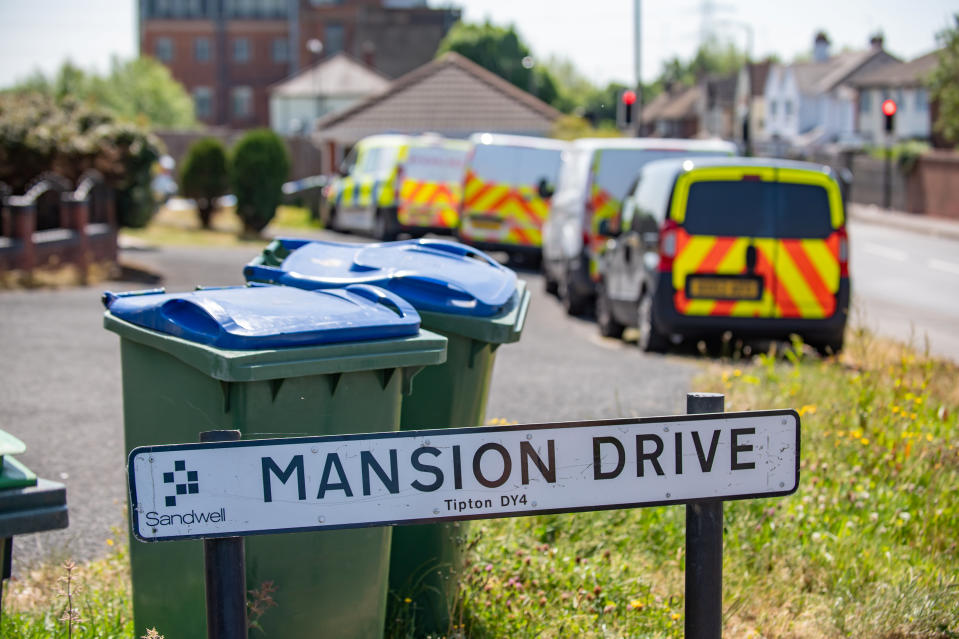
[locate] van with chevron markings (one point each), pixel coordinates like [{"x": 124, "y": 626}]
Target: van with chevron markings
[
  {"x": 507, "y": 188},
  {"x": 392, "y": 184},
  {"x": 705, "y": 246}
]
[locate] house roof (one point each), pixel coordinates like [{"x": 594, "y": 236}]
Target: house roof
[
  {"x": 904, "y": 74},
  {"x": 820, "y": 77},
  {"x": 339, "y": 75},
  {"x": 721, "y": 89},
  {"x": 673, "y": 105},
  {"x": 449, "y": 95}
]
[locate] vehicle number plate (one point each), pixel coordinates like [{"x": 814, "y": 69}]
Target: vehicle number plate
[
  {"x": 724, "y": 288},
  {"x": 485, "y": 222}
]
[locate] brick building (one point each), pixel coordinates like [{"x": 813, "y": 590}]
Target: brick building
[{"x": 228, "y": 52}]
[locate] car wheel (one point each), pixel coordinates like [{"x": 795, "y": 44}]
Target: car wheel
[
  {"x": 573, "y": 302},
  {"x": 384, "y": 229},
  {"x": 650, "y": 340},
  {"x": 608, "y": 326},
  {"x": 828, "y": 347},
  {"x": 550, "y": 284}
]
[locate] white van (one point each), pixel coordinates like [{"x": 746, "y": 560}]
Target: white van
[{"x": 594, "y": 179}]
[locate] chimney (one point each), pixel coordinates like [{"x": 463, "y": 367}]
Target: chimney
[
  {"x": 369, "y": 53},
  {"x": 820, "y": 47},
  {"x": 875, "y": 42}
]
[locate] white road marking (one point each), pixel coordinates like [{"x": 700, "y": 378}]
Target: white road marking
[
  {"x": 942, "y": 265},
  {"x": 886, "y": 252}
]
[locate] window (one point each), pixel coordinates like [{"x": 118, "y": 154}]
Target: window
[
  {"x": 203, "y": 102},
  {"x": 900, "y": 100},
  {"x": 325, "y": 3},
  {"x": 922, "y": 100},
  {"x": 241, "y": 101},
  {"x": 788, "y": 108},
  {"x": 334, "y": 36},
  {"x": 241, "y": 50},
  {"x": 618, "y": 167},
  {"x": 201, "y": 49},
  {"x": 865, "y": 101},
  {"x": 280, "y": 50},
  {"x": 518, "y": 165},
  {"x": 772, "y": 108},
  {"x": 164, "y": 49},
  {"x": 758, "y": 209},
  {"x": 255, "y": 8},
  {"x": 176, "y": 9}
]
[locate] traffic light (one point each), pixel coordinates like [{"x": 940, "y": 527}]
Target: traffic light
[
  {"x": 889, "y": 111},
  {"x": 625, "y": 112}
]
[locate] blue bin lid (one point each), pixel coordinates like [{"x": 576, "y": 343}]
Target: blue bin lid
[
  {"x": 433, "y": 275},
  {"x": 265, "y": 317}
]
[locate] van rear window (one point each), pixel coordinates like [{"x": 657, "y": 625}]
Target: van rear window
[
  {"x": 618, "y": 167},
  {"x": 435, "y": 164},
  {"x": 516, "y": 165},
  {"x": 758, "y": 209}
]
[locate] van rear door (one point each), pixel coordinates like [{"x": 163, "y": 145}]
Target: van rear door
[
  {"x": 501, "y": 200},
  {"x": 808, "y": 229},
  {"x": 431, "y": 185}
]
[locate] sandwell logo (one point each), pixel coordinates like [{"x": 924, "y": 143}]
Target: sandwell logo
[{"x": 190, "y": 484}]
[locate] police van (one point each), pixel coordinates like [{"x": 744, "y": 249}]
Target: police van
[
  {"x": 593, "y": 181},
  {"x": 391, "y": 184},
  {"x": 507, "y": 188},
  {"x": 704, "y": 246}
]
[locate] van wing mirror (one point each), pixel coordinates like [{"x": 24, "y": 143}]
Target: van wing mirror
[
  {"x": 608, "y": 227},
  {"x": 544, "y": 189}
]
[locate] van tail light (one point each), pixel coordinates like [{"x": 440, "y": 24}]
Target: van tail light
[
  {"x": 843, "y": 251},
  {"x": 668, "y": 243}
]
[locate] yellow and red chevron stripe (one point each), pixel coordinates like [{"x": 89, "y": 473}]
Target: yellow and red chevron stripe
[
  {"x": 602, "y": 206},
  {"x": 520, "y": 212},
  {"x": 429, "y": 204},
  {"x": 800, "y": 276}
]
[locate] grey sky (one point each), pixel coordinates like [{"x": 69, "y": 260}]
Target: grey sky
[{"x": 595, "y": 34}]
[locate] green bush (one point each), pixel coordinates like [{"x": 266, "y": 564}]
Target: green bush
[
  {"x": 39, "y": 134},
  {"x": 258, "y": 169},
  {"x": 204, "y": 176}
]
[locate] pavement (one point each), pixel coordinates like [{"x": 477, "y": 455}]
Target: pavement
[{"x": 924, "y": 224}]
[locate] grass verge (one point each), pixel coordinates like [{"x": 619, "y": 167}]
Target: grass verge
[
  {"x": 867, "y": 547},
  {"x": 180, "y": 227}
]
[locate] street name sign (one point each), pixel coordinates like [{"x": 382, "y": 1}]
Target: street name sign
[{"x": 273, "y": 486}]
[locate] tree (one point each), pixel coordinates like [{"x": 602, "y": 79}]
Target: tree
[
  {"x": 500, "y": 50},
  {"x": 944, "y": 83},
  {"x": 711, "y": 58},
  {"x": 140, "y": 90},
  {"x": 258, "y": 169},
  {"x": 204, "y": 176},
  {"x": 38, "y": 134}
]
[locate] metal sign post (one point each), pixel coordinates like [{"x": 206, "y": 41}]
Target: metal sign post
[
  {"x": 704, "y": 548},
  {"x": 225, "y": 572}
]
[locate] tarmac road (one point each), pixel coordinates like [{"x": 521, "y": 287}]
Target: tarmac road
[
  {"x": 60, "y": 386},
  {"x": 906, "y": 285}
]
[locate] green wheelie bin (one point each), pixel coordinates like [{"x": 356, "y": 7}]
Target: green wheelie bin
[
  {"x": 477, "y": 304},
  {"x": 271, "y": 362}
]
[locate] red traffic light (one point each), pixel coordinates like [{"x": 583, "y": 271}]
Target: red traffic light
[
  {"x": 889, "y": 108},
  {"x": 629, "y": 98}
]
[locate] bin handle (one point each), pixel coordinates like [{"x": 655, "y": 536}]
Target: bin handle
[
  {"x": 192, "y": 318},
  {"x": 108, "y": 298},
  {"x": 401, "y": 307},
  {"x": 456, "y": 248}
]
